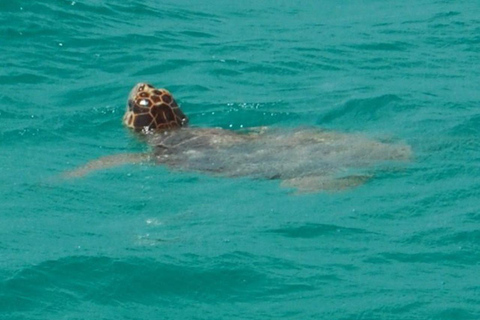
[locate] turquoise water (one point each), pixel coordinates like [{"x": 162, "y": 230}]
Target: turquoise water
[{"x": 144, "y": 242}]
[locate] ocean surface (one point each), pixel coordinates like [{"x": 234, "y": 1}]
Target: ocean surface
[{"x": 147, "y": 242}]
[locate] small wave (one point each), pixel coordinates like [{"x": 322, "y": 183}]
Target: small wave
[
  {"x": 314, "y": 230},
  {"x": 164, "y": 66},
  {"x": 363, "y": 110},
  {"x": 241, "y": 115},
  {"x": 451, "y": 312},
  {"x": 432, "y": 257},
  {"x": 445, "y": 15},
  {"x": 384, "y": 46},
  {"x": 24, "y": 78},
  {"x": 197, "y": 34},
  {"x": 470, "y": 127},
  {"x": 107, "y": 281}
]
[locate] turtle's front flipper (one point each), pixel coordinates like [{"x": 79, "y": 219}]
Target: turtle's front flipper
[
  {"x": 324, "y": 183},
  {"x": 108, "y": 162}
]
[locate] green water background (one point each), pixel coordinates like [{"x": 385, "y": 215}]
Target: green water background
[{"x": 142, "y": 242}]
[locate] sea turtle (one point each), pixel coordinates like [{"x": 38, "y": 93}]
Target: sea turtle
[{"x": 308, "y": 159}]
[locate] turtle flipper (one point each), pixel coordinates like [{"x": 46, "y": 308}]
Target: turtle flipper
[
  {"x": 107, "y": 162},
  {"x": 314, "y": 184}
]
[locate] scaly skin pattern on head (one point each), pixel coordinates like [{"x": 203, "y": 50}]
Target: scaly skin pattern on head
[{"x": 151, "y": 109}]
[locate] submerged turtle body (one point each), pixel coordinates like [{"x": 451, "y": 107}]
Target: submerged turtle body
[{"x": 307, "y": 159}]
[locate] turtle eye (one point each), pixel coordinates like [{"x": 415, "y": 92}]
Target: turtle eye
[{"x": 144, "y": 103}]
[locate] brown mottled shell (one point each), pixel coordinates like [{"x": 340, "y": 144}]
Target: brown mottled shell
[{"x": 149, "y": 108}]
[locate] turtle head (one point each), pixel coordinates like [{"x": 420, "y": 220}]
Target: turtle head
[{"x": 152, "y": 109}]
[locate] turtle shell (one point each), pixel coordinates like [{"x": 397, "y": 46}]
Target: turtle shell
[{"x": 152, "y": 109}]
